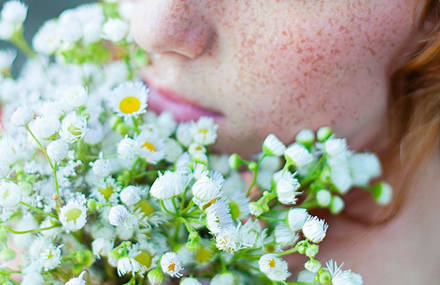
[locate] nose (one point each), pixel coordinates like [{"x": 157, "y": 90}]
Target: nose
[{"x": 171, "y": 26}]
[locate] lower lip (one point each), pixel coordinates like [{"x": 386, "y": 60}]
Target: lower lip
[{"x": 182, "y": 111}]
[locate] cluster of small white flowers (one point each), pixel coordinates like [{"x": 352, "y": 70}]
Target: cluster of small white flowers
[{"x": 88, "y": 172}]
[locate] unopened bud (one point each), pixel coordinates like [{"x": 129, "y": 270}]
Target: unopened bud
[
  {"x": 305, "y": 137},
  {"x": 235, "y": 161},
  {"x": 324, "y": 133}
]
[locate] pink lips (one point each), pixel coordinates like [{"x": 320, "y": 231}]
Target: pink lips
[{"x": 160, "y": 100}]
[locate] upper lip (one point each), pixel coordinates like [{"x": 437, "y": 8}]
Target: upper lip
[{"x": 177, "y": 97}]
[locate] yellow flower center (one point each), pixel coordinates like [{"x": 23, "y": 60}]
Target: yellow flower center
[
  {"x": 149, "y": 146},
  {"x": 171, "y": 267},
  {"x": 272, "y": 263},
  {"x": 5, "y": 194},
  {"x": 73, "y": 214},
  {"x": 106, "y": 191},
  {"x": 145, "y": 207},
  {"x": 203, "y": 255},
  {"x": 129, "y": 105},
  {"x": 144, "y": 258},
  {"x": 199, "y": 148},
  {"x": 203, "y": 131}
]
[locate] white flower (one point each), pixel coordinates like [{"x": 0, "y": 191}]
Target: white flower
[
  {"x": 73, "y": 215},
  {"x": 127, "y": 149},
  {"x": 298, "y": 155},
  {"x": 218, "y": 216},
  {"x": 205, "y": 189},
  {"x": 273, "y": 146},
  {"x": 315, "y": 229},
  {"x": 69, "y": 27},
  {"x": 306, "y": 276},
  {"x": 341, "y": 177},
  {"x": 77, "y": 280},
  {"x": 168, "y": 185},
  {"x": 335, "y": 147},
  {"x": 57, "y": 150},
  {"x": 198, "y": 153},
  {"x": 102, "y": 246},
  {"x": 190, "y": 281},
  {"x": 118, "y": 215},
  {"x": 323, "y": 198},
  {"x": 44, "y": 127},
  {"x": 130, "y": 195},
  {"x": 129, "y": 98},
  {"x": 114, "y": 30},
  {"x": 284, "y": 235},
  {"x": 171, "y": 264},
  {"x": 47, "y": 39},
  {"x": 364, "y": 167},
  {"x": 174, "y": 150},
  {"x": 32, "y": 277},
  {"x": 127, "y": 265},
  {"x": 21, "y": 116},
  {"x": 101, "y": 167},
  {"x": 183, "y": 133},
  {"x": 75, "y": 96},
  {"x": 296, "y": 218},
  {"x": 274, "y": 267},
  {"x": 45, "y": 253},
  {"x": 10, "y": 194},
  {"x": 14, "y": 12},
  {"x": 73, "y": 128},
  {"x": 150, "y": 147},
  {"x": 286, "y": 186},
  {"x": 305, "y": 137},
  {"x": 342, "y": 277},
  {"x": 204, "y": 131},
  {"x": 224, "y": 278},
  {"x": 94, "y": 133},
  {"x": 312, "y": 265},
  {"x": 228, "y": 239},
  {"x": 6, "y": 59},
  {"x": 7, "y": 29},
  {"x": 251, "y": 234}
]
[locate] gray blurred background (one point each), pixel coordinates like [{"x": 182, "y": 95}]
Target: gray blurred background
[{"x": 39, "y": 11}]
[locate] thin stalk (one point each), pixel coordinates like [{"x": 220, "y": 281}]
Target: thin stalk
[
  {"x": 31, "y": 231},
  {"x": 38, "y": 210},
  {"x": 254, "y": 179},
  {"x": 53, "y": 166}
]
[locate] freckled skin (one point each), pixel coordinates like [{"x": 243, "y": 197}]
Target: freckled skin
[{"x": 279, "y": 66}]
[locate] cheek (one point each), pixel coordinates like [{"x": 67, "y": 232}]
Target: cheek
[{"x": 326, "y": 71}]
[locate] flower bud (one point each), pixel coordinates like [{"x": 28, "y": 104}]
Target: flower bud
[
  {"x": 324, "y": 133},
  {"x": 296, "y": 218},
  {"x": 382, "y": 193},
  {"x": 336, "y": 205},
  {"x": 253, "y": 166},
  {"x": 155, "y": 276},
  {"x": 323, "y": 198},
  {"x": 91, "y": 204},
  {"x": 312, "y": 265},
  {"x": 324, "y": 277},
  {"x": 234, "y": 161},
  {"x": 256, "y": 209},
  {"x": 296, "y": 154},
  {"x": 305, "y": 137},
  {"x": 312, "y": 250},
  {"x": 117, "y": 216},
  {"x": 315, "y": 229},
  {"x": 21, "y": 116}
]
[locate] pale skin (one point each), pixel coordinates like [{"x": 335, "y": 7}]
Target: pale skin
[{"x": 281, "y": 66}]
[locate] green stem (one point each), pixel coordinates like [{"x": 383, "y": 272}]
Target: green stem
[
  {"x": 254, "y": 179},
  {"x": 135, "y": 124},
  {"x": 38, "y": 210},
  {"x": 309, "y": 205},
  {"x": 18, "y": 40},
  {"x": 287, "y": 252},
  {"x": 43, "y": 149},
  {"x": 31, "y": 231},
  {"x": 162, "y": 204},
  {"x": 271, "y": 219}
]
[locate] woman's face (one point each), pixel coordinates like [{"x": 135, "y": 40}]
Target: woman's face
[{"x": 276, "y": 66}]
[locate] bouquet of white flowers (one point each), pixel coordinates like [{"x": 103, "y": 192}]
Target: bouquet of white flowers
[{"x": 94, "y": 188}]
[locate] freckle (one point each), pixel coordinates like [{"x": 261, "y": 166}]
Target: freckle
[{"x": 299, "y": 50}]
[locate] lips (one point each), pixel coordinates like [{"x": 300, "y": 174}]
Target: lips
[{"x": 161, "y": 99}]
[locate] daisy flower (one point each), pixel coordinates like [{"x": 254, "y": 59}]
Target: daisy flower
[
  {"x": 315, "y": 229},
  {"x": 171, "y": 264},
  {"x": 168, "y": 185},
  {"x": 286, "y": 187},
  {"x": 150, "y": 147},
  {"x": 204, "y": 131},
  {"x": 10, "y": 194},
  {"x": 129, "y": 99},
  {"x": 297, "y": 218},
  {"x": 73, "y": 215},
  {"x": 298, "y": 155},
  {"x": 274, "y": 267}
]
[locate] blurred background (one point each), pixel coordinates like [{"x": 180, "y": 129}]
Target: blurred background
[{"x": 39, "y": 11}]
